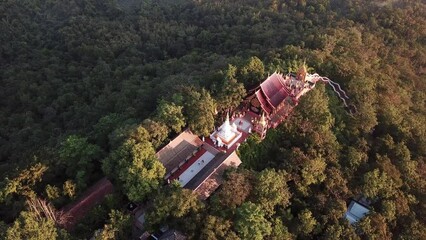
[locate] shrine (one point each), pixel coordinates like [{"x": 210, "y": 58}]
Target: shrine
[
  {"x": 274, "y": 99},
  {"x": 226, "y": 135}
]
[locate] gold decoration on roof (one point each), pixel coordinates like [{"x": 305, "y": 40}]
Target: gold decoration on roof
[{"x": 301, "y": 73}]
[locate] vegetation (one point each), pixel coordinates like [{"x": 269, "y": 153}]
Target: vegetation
[{"x": 93, "y": 88}]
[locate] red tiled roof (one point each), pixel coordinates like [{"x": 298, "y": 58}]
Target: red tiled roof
[
  {"x": 266, "y": 106},
  {"x": 279, "y": 96},
  {"x": 274, "y": 89},
  {"x": 91, "y": 197}
]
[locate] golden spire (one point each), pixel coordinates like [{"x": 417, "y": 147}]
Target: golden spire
[
  {"x": 262, "y": 120},
  {"x": 301, "y": 73}
]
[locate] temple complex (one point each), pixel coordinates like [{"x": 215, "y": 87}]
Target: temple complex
[{"x": 198, "y": 164}]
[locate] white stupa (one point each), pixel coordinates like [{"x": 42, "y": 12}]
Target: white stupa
[{"x": 226, "y": 135}]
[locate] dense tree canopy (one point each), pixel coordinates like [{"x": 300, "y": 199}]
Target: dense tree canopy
[
  {"x": 230, "y": 92},
  {"x": 92, "y": 88},
  {"x": 200, "y": 109},
  {"x": 79, "y": 158},
  {"x": 118, "y": 227},
  {"x": 250, "y": 222},
  {"x": 171, "y": 115},
  {"x": 28, "y": 226},
  {"x": 173, "y": 205},
  {"x": 136, "y": 166}
]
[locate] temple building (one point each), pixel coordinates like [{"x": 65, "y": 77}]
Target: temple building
[
  {"x": 179, "y": 151},
  {"x": 273, "y": 101},
  {"x": 198, "y": 165}
]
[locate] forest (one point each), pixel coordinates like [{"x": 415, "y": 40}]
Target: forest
[{"x": 93, "y": 88}]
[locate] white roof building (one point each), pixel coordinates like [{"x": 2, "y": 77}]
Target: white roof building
[
  {"x": 197, "y": 164},
  {"x": 227, "y": 134},
  {"x": 355, "y": 212}
]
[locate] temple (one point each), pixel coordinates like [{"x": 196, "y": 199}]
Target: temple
[
  {"x": 198, "y": 164},
  {"x": 273, "y": 101}
]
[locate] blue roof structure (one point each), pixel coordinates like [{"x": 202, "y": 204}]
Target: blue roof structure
[{"x": 355, "y": 212}]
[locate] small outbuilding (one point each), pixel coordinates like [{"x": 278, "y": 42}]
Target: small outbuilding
[{"x": 356, "y": 211}]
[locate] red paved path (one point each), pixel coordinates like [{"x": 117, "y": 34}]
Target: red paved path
[{"x": 91, "y": 197}]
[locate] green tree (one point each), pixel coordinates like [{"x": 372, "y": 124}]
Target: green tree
[
  {"x": 378, "y": 184},
  {"x": 271, "y": 190},
  {"x": 3, "y": 230},
  {"x": 314, "y": 108},
  {"x": 79, "y": 157},
  {"x": 388, "y": 210},
  {"x": 106, "y": 126},
  {"x": 69, "y": 188},
  {"x": 52, "y": 192},
  {"x": 356, "y": 158},
  {"x": 200, "y": 110},
  {"x": 104, "y": 62},
  {"x": 158, "y": 132},
  {"x": 364, "y": 98},
  {"x": 23, "y": 184},
  {"x": 171, "y": 206},
  {"x": 129, "y": 131},
  {"x": 340, "y": 231},
  {"x": 29, "y": 226},
  {"x": 250, "y": 222},
  {"x": 135, "y": 165},
  {"x": 216, "y": 228},
  {"x": 171, "y": 115},
  {"x": 230, "y": 92},
  {"x": 314, "y": 172},
  {"x": 119, "y": 226},
  {"x": 252, "y": 72},
  {"x": 279, "y": 231},
  {"x": 307, "y": 222}
]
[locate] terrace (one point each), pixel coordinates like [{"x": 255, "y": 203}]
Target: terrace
[{"x": 193, "y": 166}]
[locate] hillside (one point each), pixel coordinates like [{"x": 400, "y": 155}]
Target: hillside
[{"x": 92, "y": 88}]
